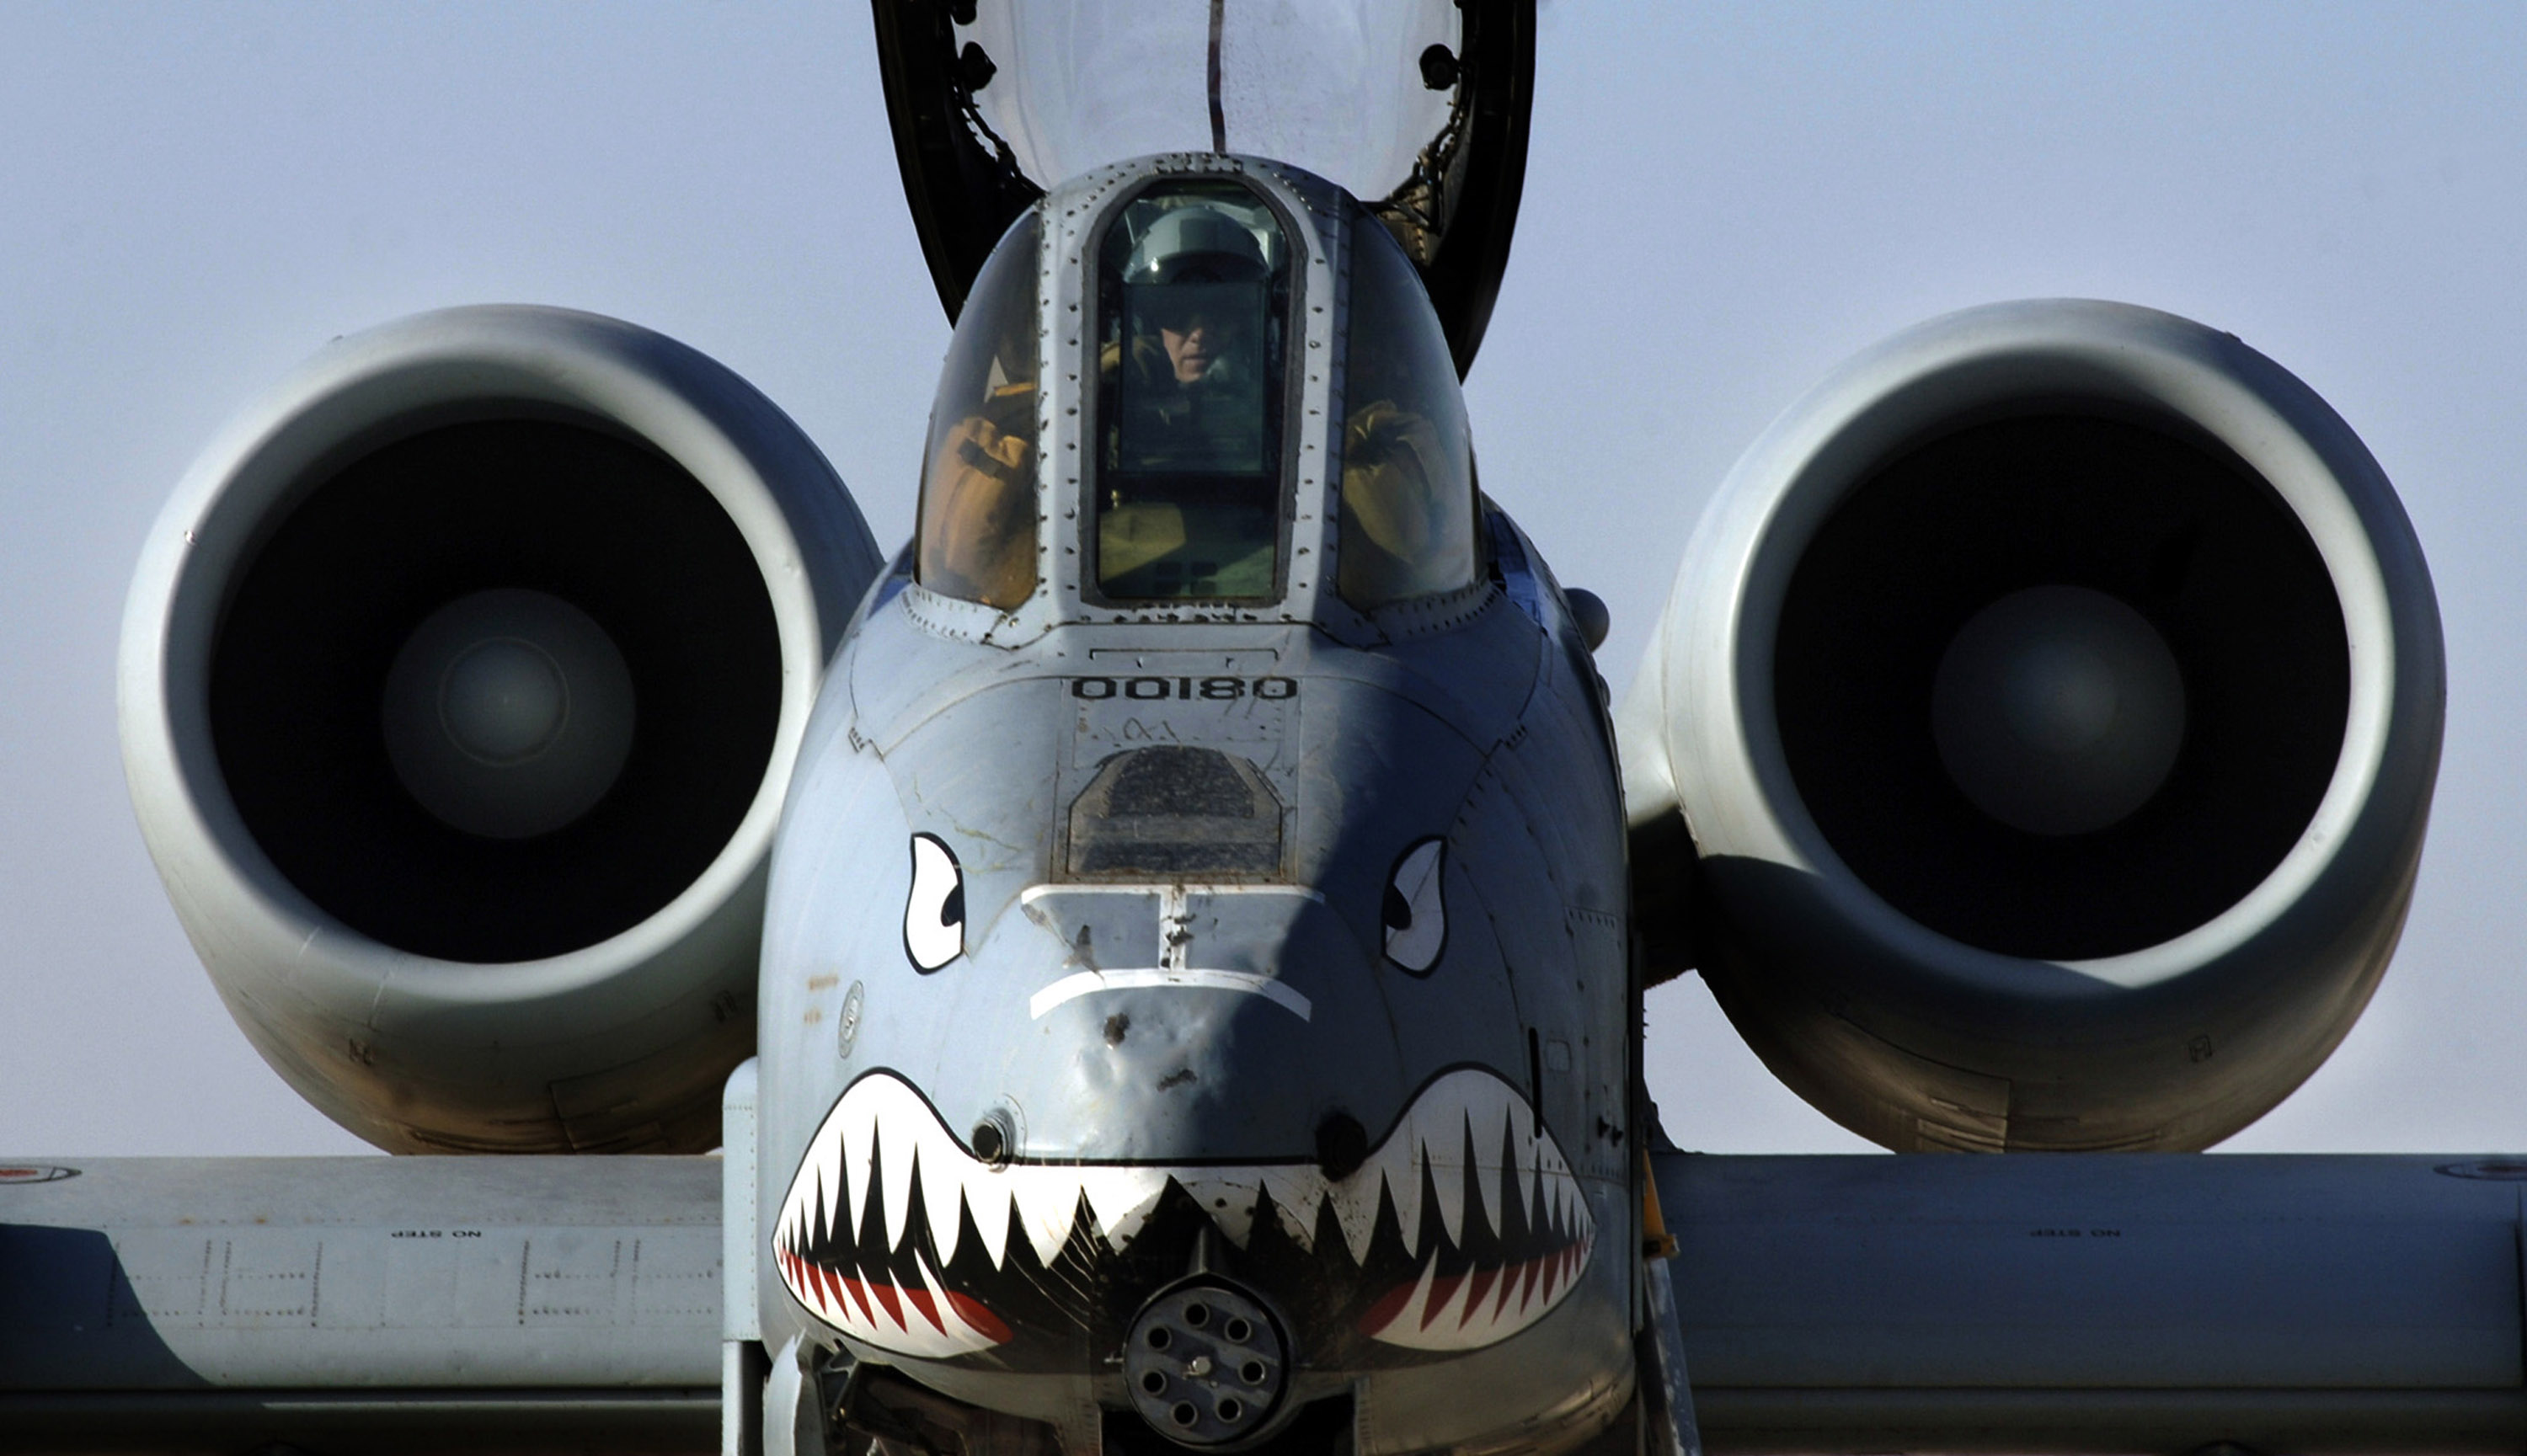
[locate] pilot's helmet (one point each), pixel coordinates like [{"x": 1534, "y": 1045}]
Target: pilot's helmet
[{"x": 1197, "y": 245}]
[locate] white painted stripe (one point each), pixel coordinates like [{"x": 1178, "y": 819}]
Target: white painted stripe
[
  {"x": 1089, "y": 983},
  {"x": 1035, "y": 893}
]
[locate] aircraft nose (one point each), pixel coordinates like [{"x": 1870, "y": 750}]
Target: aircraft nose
[
  {"x": 1194, "y": 1022},
  {"x": 1231, "y": 938}
]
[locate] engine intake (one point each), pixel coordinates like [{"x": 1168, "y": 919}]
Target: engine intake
[
  {"x": 2052, "y": 701},
  {"x": 460, "y": 685}
]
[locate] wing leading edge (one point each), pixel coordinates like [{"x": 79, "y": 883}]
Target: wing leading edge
[
  {"x": 493, "y": 1303},
  {"x": 2084, "y": 1302}
]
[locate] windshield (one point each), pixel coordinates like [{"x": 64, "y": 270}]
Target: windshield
[
  {"x": 978, "y": 488},
  {"x": 1408, "y": 489},
  {"x": 1193, "y": 299}
]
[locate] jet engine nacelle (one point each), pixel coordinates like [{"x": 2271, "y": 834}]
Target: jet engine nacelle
[
  {"x": 2035, "y": 749},
  {"x": 460, "y": 689}
]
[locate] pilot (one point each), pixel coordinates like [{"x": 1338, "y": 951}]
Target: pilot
[
  {"x": 1193, "y": 401},
  {"x": 1195, "y": 344},
  {"x": 1195, "y": 291},
  {"x": 1190, "y": 466}
]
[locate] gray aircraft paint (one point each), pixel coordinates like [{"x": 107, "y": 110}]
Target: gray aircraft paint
[
  {"x": 2329, "y": 1303},
  {"x": 1199, "y": 1061},
  {"x": 489, "y": 1303},
  {"x": 1476, "y": 717},
  {"x": 1925, "y": 1036},
  {"x": 602, "y": 1044},
  {"x": 1195, "y": 914}
]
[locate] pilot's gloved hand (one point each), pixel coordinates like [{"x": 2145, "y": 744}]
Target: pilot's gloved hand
[
  {"x": 985, "y": 489},
  {"x": 1388, "y": 455}
]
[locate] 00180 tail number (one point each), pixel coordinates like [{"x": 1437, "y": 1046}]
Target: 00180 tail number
[{"x": 1213, "y": 689}]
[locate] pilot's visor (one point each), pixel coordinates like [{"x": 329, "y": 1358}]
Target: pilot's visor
[{"x": 1228, "y": 308}]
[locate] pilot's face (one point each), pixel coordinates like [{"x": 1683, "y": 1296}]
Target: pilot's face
[{"x": 1194, "y": 343}]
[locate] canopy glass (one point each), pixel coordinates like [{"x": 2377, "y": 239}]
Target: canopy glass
[
  {"x": 1335, "y": 86},
  {"x": 1419, "y": 108}
]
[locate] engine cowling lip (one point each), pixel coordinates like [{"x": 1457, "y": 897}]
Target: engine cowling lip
[
  {"x": 271, "y": 942},
  {"x": 1716, "y": 662}
]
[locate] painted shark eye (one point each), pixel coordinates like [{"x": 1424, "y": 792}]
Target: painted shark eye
[
  {"x": 934, "y": 916},
  {"x": 1416, "y": 918}
]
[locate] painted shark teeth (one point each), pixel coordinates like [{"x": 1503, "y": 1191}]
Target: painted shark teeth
[
  {"x": 1476, "y": 1305},
  {"x": 1492, "y": 1225}
]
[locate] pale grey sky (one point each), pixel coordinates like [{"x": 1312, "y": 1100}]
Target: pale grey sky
[{"x": 1722, "y": 202}]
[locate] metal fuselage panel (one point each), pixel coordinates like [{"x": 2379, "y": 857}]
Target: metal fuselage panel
[
  {"x": 1121, "y": 1073},
  {"x": 390, "y": 1276},
  {"x": 1117, "y": 939}
]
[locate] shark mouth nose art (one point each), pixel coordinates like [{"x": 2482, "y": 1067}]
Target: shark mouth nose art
[{"x": 1463, "y": 1227}]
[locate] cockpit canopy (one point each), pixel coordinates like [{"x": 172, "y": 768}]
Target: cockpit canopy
[
  {"x": 979, "y": 503},
  {"x": 1189, "y": 391},
  {"x": 1420, "y": 105}
]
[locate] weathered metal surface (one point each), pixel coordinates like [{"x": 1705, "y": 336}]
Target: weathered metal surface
[
  {"x": 2076, "y": 1303},
  {"x": 2102, "y": 1302},
  {"x": 430, "y": 988},
  {"x": 1113, "y": 941},
  {"x": 175, "y": 1303},
  {"x": 1932, "y": 976}
]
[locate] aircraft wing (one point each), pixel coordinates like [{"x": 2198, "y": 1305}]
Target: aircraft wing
[
  {"x": 353, "y": 1303},
  {"x": 2108, "y": 1302},
  {"x": 2100, "y": 1302}
]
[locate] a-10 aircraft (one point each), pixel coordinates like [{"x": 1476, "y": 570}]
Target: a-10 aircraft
[{"x": 1162, "y": 952}]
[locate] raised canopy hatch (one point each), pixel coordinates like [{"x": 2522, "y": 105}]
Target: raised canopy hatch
[{"x": 1417, "y": 107}]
